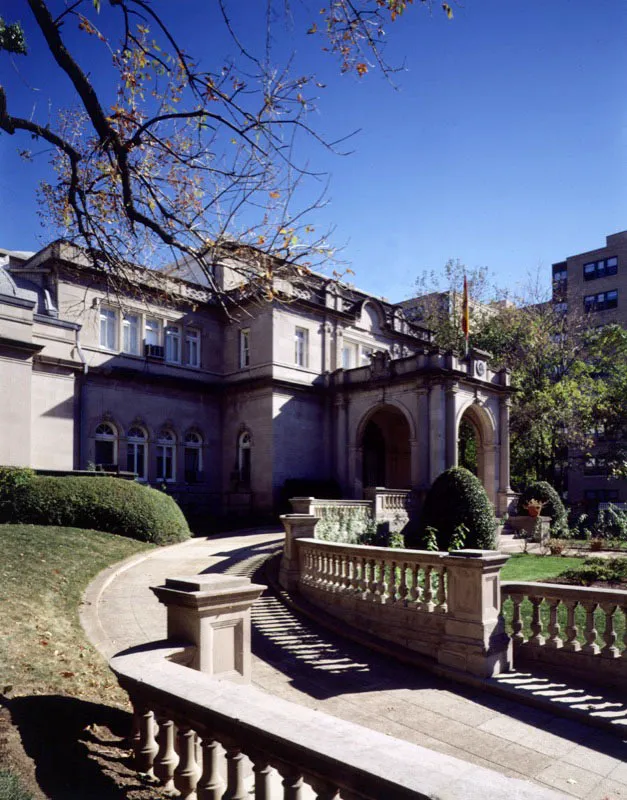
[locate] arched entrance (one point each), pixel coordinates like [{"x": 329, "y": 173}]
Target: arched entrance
[
  {"x": 385, "y": 449},
  {"x": 476, "y": 446}
]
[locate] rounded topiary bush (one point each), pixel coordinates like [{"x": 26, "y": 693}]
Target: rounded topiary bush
[
  {"x": 106, "y": 504},
  {"x": 457, "y": 498},
  {"x": 554, "y": 508}
]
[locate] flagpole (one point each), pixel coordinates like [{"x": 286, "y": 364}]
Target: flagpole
[{"x": 466, "y": 316}]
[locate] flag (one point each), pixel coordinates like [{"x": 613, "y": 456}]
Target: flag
[{"x": 465, "y": 313}]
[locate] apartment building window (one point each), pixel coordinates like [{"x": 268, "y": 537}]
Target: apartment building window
[
  {"x": 192, "y": 454},
  {"x": 366, "y": 355},
  {"x": 166, "y": 466},
  {"x": 602, "y": 495},
  {"x": 106, "y": 455},
  {"x": 301, "y": 347},
  {"x": 244, "y": 347},
  {"x": 192, "y": 347},
  {"x": 108, "y": 328},
  {"x": 560, "y": 275},
  {"x": 600, "y": 269},
  {"x": 602, "y": 301},
  {"x": 595, "y": 465},
  {"x": 130, "y": 334},
  {"x": 136, "y": 452},
  {"x": 173, "y": 344}
]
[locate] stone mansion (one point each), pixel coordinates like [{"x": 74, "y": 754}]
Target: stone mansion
[{"x": 325, "y": 383}]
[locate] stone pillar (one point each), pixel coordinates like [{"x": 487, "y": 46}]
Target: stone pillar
[
  {"x": 489, "y": 478},
  {"x": 212, "y": 612},
  {"x": 474, "y": 634},
  {"x": 297, "y": 526},
  {"x": 302, "y": 505},
  {"x": 341, "y": 442},
  {"x": 437, "y": 423},
  {"x": 504, "y": 465},
  {"x": 423, "y": 427},
  {"x": 451, "y": 425}
]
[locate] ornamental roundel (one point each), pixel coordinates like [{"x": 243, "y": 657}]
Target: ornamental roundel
[{"x": 480, "y": 367}]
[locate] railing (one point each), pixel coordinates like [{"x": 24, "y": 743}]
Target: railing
[
  {"x": 319, "y": 507},
  {"x": 411, "y": 578},
  {"x": 213, "y": 739},
  {"x": 576, "y": 628}
]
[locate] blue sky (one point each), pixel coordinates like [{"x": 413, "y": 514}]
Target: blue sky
[{"x": 505, "y": 143}]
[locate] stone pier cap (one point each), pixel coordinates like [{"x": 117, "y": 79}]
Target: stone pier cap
[{"x": 208, "y": 591}]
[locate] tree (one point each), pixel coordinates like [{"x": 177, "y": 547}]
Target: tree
[
  {"x": 568, "y": 375},
  {"x": 178, "y": 160}
]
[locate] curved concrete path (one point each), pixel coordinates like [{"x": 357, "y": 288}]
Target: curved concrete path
[{"x": 296, "y": 659}]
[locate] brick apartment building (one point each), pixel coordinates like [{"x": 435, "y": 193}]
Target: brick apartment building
[
  {"x": 594, "y": 284},
  {"x": 325, "y": 383}
]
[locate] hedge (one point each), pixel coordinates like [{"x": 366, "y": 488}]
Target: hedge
[
  {"x": 554, "y": 508},
  {"x": 457, "y": 498},
  {"x": 107, "y": 504}
]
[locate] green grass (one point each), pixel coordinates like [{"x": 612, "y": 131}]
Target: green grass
[
  {"x": 522, "y": 567},
  {"x": 43, "y": 573},
  {"x": 11, "y": 788}
]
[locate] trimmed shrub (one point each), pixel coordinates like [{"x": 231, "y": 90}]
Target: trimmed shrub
[
  {"x": 457, "y": 498},
  {"x": 554, "y": 508},
  {"x": 12, "y": 479},
  {"x": 106, "y": 504}
]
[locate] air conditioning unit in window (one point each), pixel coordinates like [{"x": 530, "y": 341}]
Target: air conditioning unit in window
[{"x": 154, "y": 351}]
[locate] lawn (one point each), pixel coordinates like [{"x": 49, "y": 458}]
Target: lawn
[
  {"x": 54, "y": 685},
  {"x": 521, "y": 567}
]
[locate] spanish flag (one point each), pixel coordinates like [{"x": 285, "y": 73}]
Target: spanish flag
[{"x": 465, "y": 313}]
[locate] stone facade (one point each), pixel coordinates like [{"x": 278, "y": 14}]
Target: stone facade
[{"x": 330, "y": 384}]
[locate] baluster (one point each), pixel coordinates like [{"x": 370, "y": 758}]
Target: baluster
[
  {"x": 325, "y": 791},
  {"x": 349, "y": 571},
  {"x": 402, "y": 589},
  {"x": 146, "y": 746},
  {"x": 210, "y": 785},
  {"x": 554, "y": 641},
  {"x": 427, "y": 591},
  {"x": 263, "y": 771},
  {"x": 536, "y": 638},
  {"x": 610, "y": 636},
  {"x": 372, "y": 584},
  {"x": 235, "y": 789},
  {"x": 392, "y": 584},
  {"x": 338, "y": 575},
  {"x": 357, "y": 575},
  {"x": 414, "y": 593},
  {"x": 571, "y": 644},
  {"x": 441, "y": 591},
  {"x": 292, "y": 782},
  {"x": 166, "y": 759},
  {"x": 186, "y": 774},
  {"x": 624, "y": 610},
  {"x": 590, "y": 633},
  {"x": 517, "y": 623},
  {"x": 383, "y": 586}
]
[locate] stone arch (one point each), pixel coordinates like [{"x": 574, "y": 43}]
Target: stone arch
[
  {"x": 383, "y": 447},
  {"x": 371, "y": 316},
  {"x": 480, "y": 419}
]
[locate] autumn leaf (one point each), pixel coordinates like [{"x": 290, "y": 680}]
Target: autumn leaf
[
  {"x": 361, "y": 69},
  {"x": 447, "y": 10},
  {"x": 274, "y": 195},
  {"x": 313, "y": 28}
]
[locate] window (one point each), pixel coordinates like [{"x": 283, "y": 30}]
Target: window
[
  {"x": 600, "y": 269},
  {"x": 603, "y": 301},
  {"x": 192, "y": 347},
  {"x": 130, "y": 334},
  {"x": 165, "y": 456},
  {"x": 560, "y": 275},
  {"x": 108, "y": 325},
  {"x": 301, "y": 347},
  {"x": 602, "y": 495},
  {"x": 193, "y": 457},
  {"x": 173, "y": 344},
  {"x": 595, "y": 465},
  {"x": 105, "y": 455},
  {"x": 243, "y": 458},
  {"x": 151, "y": 333},
  {"x": 244, "y": 347},
  {"x": 366, "y": 353},
  {"x": 136, "y": 452}
]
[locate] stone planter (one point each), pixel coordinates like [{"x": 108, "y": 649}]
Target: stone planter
[{"x": 537, "y": 529}]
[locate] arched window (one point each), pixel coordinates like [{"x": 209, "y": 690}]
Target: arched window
[
  {"x": 166, "y": 460},
  {"x": 136, "y": 452},
  {"x": 243, "y": 458},
  {"x": 192, "y": 453},
  {"x": 106, "y": 450}
]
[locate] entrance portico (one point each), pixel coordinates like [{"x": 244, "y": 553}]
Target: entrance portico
[{"x": 397, "y": 423}]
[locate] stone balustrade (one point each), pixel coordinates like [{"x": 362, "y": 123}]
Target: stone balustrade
[
  {"x": 445, "y": 606},
  {"x": 387, "y": 506},
  {"x": 317, "y": 507},
  {"x": 559, "y": 618},
  {"x": 203, "y": 732}
]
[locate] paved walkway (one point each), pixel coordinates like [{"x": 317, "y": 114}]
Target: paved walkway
[{"x": 302, "y": 662}]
